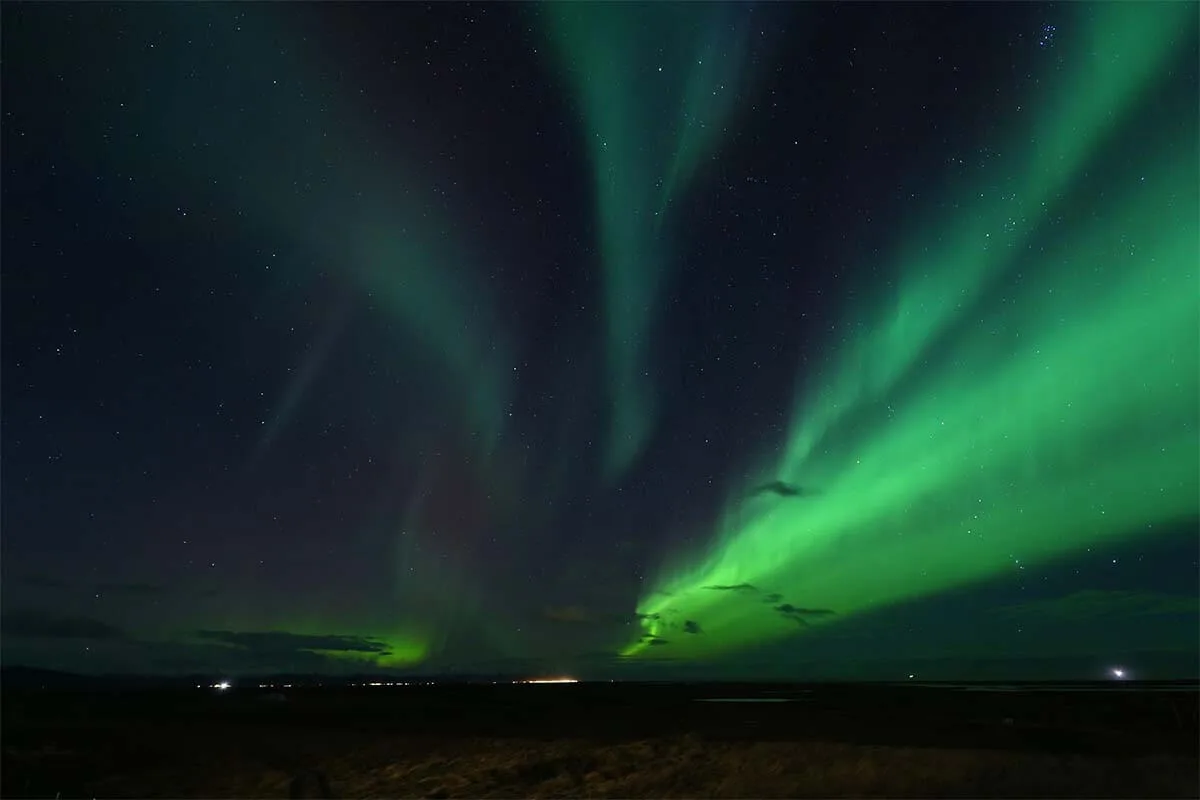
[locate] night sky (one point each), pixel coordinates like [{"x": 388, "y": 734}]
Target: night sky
[{"x": 825, "y": 340}]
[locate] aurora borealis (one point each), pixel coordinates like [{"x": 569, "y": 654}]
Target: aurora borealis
[
  {"x": 1009, "y": 443},
  {"x": 612, "y": 340},
  {"x": 652, "y": 112}
]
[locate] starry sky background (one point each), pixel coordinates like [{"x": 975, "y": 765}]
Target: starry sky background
[{"x": 346, "y": 337}]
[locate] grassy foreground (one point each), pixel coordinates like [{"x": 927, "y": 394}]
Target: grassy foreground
[{"x": 451, "y": 747}]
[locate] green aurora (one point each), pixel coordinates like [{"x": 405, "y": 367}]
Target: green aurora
[
  {"x": 372, "y": 228},
  {"x": 1021, "y": 394},
  {"x": 628, "y": 65},
  {"x": 1022, "y": 391},
  {"x": 397, "y": 650},
  {"x": 374, "y": 232}
]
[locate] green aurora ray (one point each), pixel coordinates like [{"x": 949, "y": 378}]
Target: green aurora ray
[
  {"x": 657, "y": 84},
  {"x": 1028, "y": 391},
  {"x": 303, "y": 164}
]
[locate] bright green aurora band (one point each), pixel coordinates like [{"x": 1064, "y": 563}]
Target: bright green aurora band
[
  {"x": 1025, "y": 391},
  {"x": 628, "y": 62}
]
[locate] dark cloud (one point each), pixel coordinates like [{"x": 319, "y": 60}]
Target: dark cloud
[
  {"x": 654, "y": 640},
  {"x": 782, "y": 489},
  {"x": 801, "y": 615},
  {"x": 272, "y": 643},
  {"x": 773, "y": 597},
  {"x": 1100, "y": 604},
  {"x": 740, "y": 587},
  {"x": 37, "y": 625},
  {"x": 133, "y": 589},
  {"x": 233, "y": 653},
  {"x": 691, "y": 626}
]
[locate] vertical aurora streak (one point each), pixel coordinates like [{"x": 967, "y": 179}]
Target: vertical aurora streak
[
  {"x": 1027, "y": 392},
  {"x": 657, "y": 84}
]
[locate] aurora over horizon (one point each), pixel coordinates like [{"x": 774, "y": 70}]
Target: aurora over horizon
[{"x": 603, "y": 340}]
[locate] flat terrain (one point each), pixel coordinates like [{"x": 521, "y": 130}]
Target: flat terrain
[{"x": 603, "y": 740}]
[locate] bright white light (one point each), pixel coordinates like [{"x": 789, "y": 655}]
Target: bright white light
[
  {"x": 551, "y": 680},
  {"x": 222, "y": 686},
  {"x": 1117, "y": 672}
]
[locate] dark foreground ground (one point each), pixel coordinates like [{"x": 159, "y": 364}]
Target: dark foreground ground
[{"x": 606, "y": 740}]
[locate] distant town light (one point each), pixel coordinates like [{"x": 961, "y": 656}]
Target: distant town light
[
  {"x": 1118, "y": 673},
  {"x": 550, "y": 680},
  {"x": 221, "y": 686}
]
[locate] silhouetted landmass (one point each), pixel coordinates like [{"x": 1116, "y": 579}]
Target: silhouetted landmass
[
  {"x": 1155, "y": 665},
  {"x": 603, "y": 740}
]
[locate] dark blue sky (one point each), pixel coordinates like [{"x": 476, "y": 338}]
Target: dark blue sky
[{"x": 305, "y": 352}]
